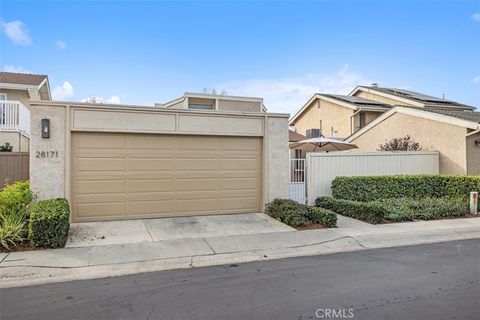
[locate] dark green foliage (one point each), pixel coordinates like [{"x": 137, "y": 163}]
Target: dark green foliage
[
  {"x": 365, "y": 211},
  {"x": 405, "y": 209},
  {"x": 371, "y": 188},
  {"x": 297, "y": 215},
  {"x": 6, "y": 147},
  {"x": 49, "y": 223},
  {"x": 396, "y": 209}
]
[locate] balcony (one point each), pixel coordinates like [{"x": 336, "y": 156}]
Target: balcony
[{"x": 14, "y": 117}]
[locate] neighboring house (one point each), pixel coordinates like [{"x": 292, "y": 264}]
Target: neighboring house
[
  {"x": 341, "y": 116},
  {"x": 214, "y": 102},
  {"x": 453, "y": 132},
  {"x": 295, "y": 137},
  {"x": 16, "y": 90},
  {"x": 336, "y": 115}
]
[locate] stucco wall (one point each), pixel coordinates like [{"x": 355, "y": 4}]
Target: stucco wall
[
  {"x": 17, "y": 95},
  {"x": 277, "y": 158},
  {"x": 332, "y": 115},
  {"x": 50, "y": 176},
  {"x": 448, "y": 140},
  {"x": 473, "y": 155},
  {"x": 376, "y": 97},
  {"x": 47, "y": 174},
  {"x": 18, "y": 141}
]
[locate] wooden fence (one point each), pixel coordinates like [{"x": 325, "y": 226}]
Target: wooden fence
[{"x": 14, "y": 166}]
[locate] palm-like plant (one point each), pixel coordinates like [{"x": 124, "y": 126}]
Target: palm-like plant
[{"x": 12, "y": 226}]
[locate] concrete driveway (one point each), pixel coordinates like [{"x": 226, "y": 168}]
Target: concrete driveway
[{"x": 88, "y": 234}]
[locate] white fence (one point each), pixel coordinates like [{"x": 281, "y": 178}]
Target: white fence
[
  {"x": 297, "y": 180},
  {"x": 322, "y": 168},
  {"x": 14, "y": 116}
]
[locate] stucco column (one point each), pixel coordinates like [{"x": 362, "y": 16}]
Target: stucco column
[
  {"x": 47, "y": 155},
  {"x": 277, "y": 165}
]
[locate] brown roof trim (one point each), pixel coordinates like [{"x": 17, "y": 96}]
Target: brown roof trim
[
  {"x": 22, "y": 78},
  {"x": 295, "y": 136}
]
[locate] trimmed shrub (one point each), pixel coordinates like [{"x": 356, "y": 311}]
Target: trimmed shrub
[
  {"x": 405, "y": 209},
  {"x": 325, "y": 217},
  {"x": 15, "y": 196},
  {"x": 297, "y": 215},
  {"x": 49, "y": 223},
  {"x": 365, "y": 211},
  {"x": 370, "y": 188}
]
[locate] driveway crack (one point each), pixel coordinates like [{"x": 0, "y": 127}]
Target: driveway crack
[
  {"x": 143, "y": 221},
  {"x": 5, "y": 257},
  {"x": 208, "y": 244}
]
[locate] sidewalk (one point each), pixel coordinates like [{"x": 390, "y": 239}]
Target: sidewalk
[{"x": 43, "y": 266}]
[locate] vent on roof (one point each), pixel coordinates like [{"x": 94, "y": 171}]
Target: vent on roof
[{"x": 375, "y": 85}]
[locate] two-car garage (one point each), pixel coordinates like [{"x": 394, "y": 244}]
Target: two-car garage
[{"x": 127, "y": 176}]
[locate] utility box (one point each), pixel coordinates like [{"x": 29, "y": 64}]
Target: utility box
[{"x": 473, "y": 202}]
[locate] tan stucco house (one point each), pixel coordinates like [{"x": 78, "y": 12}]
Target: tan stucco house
[
  {"x": 342, "y": 115},
  {"x": 454, "y": 133},
  {"x": 16, "y": 90},
  {"x": 200, "y": 154}
]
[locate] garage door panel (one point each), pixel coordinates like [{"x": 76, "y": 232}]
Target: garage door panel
[
  {"x": 125, "y": 176},
  {"x": 160, "y": 185},
  {"x": 151, "y": 164},
  {"x": 153, "y": 207},
  {"x": 101, "y": 164},
  {"x": 94, "y": 211},
  {"x": 100, "y": 186}
]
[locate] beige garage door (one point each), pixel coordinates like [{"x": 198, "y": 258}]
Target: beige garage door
[{"x": 128, "y": 176}]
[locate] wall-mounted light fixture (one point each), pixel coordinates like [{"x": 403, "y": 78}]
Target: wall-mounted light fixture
[{"x": 45, "y": 128}]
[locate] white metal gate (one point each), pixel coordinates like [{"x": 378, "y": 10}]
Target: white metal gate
[{"x": 297, "y": 180}]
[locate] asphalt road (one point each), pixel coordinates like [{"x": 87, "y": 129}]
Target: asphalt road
[{"x": 437, "y": 281}]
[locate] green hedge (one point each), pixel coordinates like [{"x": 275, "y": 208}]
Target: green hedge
[
  {"x": 371, "y": 188},
  {"x": 49, "y": 223},
  {"x": 297, "y": 215},
  {"x": 15, "y": 196},
  {"x": 405, "y": 209},
  {"x": 365, "y": 211}
]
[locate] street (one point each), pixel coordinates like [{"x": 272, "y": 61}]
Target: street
[{"x": 434, "y": 281}]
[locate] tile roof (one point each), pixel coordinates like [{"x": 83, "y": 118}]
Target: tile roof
[
  {"x": 295, "y": 136},
  {"x": 21, "y": 78},
  {"x": 359, "y": 101},
  {"x": 429, "y": 101}
]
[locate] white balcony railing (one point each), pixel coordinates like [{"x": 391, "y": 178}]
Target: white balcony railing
[{"x": 14, "y": 116}]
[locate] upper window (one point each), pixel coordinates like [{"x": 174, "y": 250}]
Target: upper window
[
  {"x": 200, "y": 106},
  {"x": 3, "y": 96}
]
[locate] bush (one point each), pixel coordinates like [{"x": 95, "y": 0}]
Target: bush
[
  {"x": 49, "y": 223},
  {"x": 297, "y": 215},
  {"x": 405, "y": 209},
  {"x": 16, "y": 196},
  {"x": 365, "y": 211},
  {"x": 12, "y": 227},
  {"x": 370, "y": 188},
  {"x": 325, "y": 217}
]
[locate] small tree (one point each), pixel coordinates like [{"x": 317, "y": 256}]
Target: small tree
[
  {"x": 6, "y": 147},
  {"x": 400, "y": 144}
]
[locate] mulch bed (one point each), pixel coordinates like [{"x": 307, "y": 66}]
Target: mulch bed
[
  {"x": 20, "y": 247},
  {"x": 311, "y": 227}
]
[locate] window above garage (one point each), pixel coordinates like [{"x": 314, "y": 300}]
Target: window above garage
[{"x": 201, "y": 104}]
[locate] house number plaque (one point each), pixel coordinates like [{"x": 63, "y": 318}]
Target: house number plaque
[{"x": 46, "y": 154}]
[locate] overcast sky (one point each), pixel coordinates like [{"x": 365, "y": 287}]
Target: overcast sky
[{"x": 147, "y": 52}]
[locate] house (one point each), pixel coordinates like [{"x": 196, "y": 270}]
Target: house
[
  {"x": 214, "y": 102},
  {"x": 197, "y": 155},
  {"x": 343, "y": 115},
  {"x": 16, "y": 90},
  {"x": 453, "y": 132}
]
